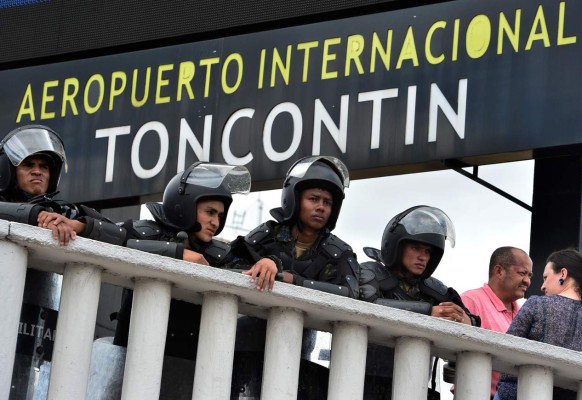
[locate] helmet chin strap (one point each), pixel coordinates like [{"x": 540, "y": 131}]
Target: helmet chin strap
[
  {"x": 40, "y": 197},
  {"x": 181, "y": 235},
  {"x": 196, "y": 227},
  {"x": 33, "y": 198}
]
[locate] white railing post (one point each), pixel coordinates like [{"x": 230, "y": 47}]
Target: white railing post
[
  {"x": 579, "y": 396},
  {"x": 348, "y": 362},
  {"x": 147, "y": 339},
  {"x": 12, "y": 278},
  {"x": 473, "y": 376},
  {"x": 75, "y": 332},
  {"x": 282, "y": 354},
  {"x": 535, "y": 382},
  {"x": 214, "y": 359},
  {"x": 411, "y": 369}
]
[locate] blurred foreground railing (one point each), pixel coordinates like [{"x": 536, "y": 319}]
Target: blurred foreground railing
[{"x": 224, "y": 295}]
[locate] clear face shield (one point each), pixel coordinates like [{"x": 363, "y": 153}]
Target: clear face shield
[
  {"x": 234, "y": 179},
  {"x": 299, "y": 169},
  {"x": 429, "y": 220},
  {"x": 30, "y": 141}
]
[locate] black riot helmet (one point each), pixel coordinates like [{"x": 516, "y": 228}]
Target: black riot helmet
[
  {"x": 323, "y": 172},
  {"x": 423, "y": 224},
  {"x": 26, "y": 141},
  {"x": 202, "y": 181}
]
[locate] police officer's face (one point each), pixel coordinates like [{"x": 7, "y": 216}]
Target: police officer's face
[
  {"x": 415, "y": 257},
  {"x": 208, "y": 214},
  {"x": 315, "y": 208},
  {"x": 32, "y": 175}
]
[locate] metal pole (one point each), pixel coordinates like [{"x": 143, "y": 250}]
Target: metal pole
[{"x": 75, "y": 331}]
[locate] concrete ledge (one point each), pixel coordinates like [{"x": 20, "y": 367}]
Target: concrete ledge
[
  {"x": 121, "y": 265},
  {"x": 4, "y": 228}
]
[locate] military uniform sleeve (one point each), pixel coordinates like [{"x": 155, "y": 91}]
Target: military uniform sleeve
[
  {"x": 103, "y": 231},
  {"x": 341, "y": 265},
  {"x": 374, "y": 278},
  {"x": 20, "y": 212},
  {"x": 167, "y": 249},
  {"x": 98, "y": 227},
  {"x": 146, "y": 235}
]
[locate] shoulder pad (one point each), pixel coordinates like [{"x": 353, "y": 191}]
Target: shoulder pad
[
  {"x": 259, "y": 234},
  {"x": 217, "y": 249},
  {"x": 146, "y": 230},
  {"x": 378, "y": 270},
  {"x": 436, "y": 286},
  {"x": 375, "y": 270},
  {"x": 334, "y": 247},
  {"x": 369, "y": 271},
  {"x": 375, "y": 281}
]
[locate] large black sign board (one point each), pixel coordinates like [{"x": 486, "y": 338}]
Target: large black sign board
[{"x": 410, "y": 87}]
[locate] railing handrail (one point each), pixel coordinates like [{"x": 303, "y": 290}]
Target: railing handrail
[{"x": 321, "y": 310}]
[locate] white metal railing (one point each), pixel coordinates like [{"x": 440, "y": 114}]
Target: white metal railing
[{"x": 223, "y": 295}]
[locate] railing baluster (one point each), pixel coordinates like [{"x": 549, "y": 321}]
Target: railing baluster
[
  {"x": 473, "y": 380},
  {"x": 411, "y": 369},
  {"x": 282, "y": 354},
  {"x": 579, "y": 396},
  {"x": 214, "y": 360},
  {"x": 75, "y": 332},
  {"x": 147, "y": 339},
  {"x": 348, "y": 362},
  {"x": 12, "y": 277},
  {"x": 535, "y": 382}
]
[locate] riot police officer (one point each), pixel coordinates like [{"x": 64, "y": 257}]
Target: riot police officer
[
  {"x": 413, "y": 245},
  {"x": 31, "y": 160},
  {"x": 299, "y": 244},
  {"x": 193, "y": 210},
  {"x": 297, "y": 248},
  {"x": 400, "y": 276}
]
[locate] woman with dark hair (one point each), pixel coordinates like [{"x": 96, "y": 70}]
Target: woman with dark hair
[{"x": 555, "y": 318}]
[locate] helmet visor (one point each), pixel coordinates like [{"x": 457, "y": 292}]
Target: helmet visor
[
  {"x": 234, "y": 179},
  {"x": 30, "y": 141},
  {"x": 299, "y": 169},
  {"x": 429, "y": 220}
]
